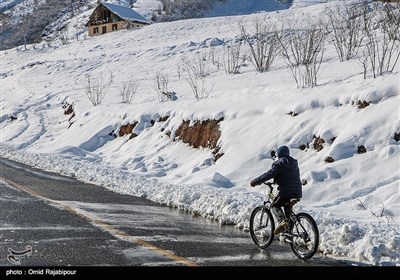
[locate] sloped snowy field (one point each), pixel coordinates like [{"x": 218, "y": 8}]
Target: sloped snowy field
[{"x": 355, "y": 200}]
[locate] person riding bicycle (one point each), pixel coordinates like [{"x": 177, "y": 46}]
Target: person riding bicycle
[{"x": 285, "y": 172}]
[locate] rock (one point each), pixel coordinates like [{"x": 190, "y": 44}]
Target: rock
[{"x": 222, "y": 180}]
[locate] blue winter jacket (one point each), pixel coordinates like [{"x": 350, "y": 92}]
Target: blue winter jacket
[{"x": 286, "y": 174}]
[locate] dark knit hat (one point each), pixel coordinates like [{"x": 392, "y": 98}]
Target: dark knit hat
[{"x": 283, "y": 151}]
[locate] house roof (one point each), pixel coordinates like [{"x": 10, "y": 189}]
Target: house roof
[{"x": 125, "y": 13}]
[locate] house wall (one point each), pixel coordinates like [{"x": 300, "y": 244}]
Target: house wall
[{"x": 100, "y": 29}]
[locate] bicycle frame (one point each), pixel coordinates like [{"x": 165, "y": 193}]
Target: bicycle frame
[
  {"x": 290, "y": 215},
  {"x": 271, "y": 196}
]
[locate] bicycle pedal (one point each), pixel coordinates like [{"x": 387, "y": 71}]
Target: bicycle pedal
[{"x": 287, "y": 237}]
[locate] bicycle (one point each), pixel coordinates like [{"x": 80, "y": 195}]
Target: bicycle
[{"x": 302, "y": 232}]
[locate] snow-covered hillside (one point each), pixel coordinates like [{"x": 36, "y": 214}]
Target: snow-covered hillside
[
  {"x": 27, "y": 21},
  {"x": 355, "y": 199}
]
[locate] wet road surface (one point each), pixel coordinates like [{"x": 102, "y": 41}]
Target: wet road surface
[{"x": 66, "y": 222}]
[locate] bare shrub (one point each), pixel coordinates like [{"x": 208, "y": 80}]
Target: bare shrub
[
  {"x": 162, "y": 81},
  {"x": 381, "y": 50},
  {"x": 381, "y": 213},
  {"x": 303, "y": 51},
  {"x": 96, "y": 88},
  {"x": 263, "y": 41},
  {"x": 197, "y": 64},
  {"x": 128, "y": 91},
  {"x": 232, "y": 58},
  {"x": 196, "y": 75},
  {"x": 213, "y": 58},
  {"x": 344, "y": 30},
  {"x": 199, "y": 85}
]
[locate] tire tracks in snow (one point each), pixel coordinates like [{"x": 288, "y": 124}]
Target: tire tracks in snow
[{"x": 35, "y": 110}]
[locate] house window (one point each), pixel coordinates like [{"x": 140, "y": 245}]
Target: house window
[
  {"x": 105, "y": 15},
  {"x": 95, "y": 30},
  {"x": 104, "y": 30},
  {"x": 114, "y": 27}
]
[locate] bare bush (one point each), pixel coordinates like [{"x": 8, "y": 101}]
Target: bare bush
[
  {"x": 381, "y": 50},
  {"x": 390, "y": 26},
  {"x": 303, "y": 51},
  {"x": 232, "y": 58},
  {"x": 343, "y": 27},
  {"x": 196, "y": 76},
  {"x": 213, "y": 58},
  {"x": 381, "y": 213},
  {"x": 162, "y": 81},
  {"x": 263, "y": 42},
  {"x": 128, "y": 91},
  {"x": 96, "y": 88},
  {"x": 197, "y": 64},
  {"x": 199, "y": 85}
]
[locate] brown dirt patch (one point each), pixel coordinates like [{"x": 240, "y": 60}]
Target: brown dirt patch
[
  {"x": 362, "y": 104},
  {"x": 201, "y": 134},
  {"x": 318, "y": 143},
  {"x": 127, "y": 129}
]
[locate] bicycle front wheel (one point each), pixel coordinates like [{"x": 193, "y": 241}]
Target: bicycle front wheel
[
  {"x": 262, "y": 227},
  {"x": 305, "y": 236}
]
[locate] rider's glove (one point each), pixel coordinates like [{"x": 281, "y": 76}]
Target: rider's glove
[{"x": 253, "y": 183}]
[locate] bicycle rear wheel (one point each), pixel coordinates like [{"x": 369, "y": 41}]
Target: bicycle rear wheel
[
  {"x": 305, "y": 236},
  {"x": 262, "y": 227}
]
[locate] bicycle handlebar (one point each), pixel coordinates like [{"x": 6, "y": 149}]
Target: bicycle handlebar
[{"x": 269, "y": 184}]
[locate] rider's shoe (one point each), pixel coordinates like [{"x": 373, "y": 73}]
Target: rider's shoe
[{"x": 281, "y": 227}]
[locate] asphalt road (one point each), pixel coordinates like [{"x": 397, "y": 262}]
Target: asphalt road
[{"x": 53, "y": 220}]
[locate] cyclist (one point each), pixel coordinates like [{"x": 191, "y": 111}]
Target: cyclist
[{"x": 285, "y": 172}]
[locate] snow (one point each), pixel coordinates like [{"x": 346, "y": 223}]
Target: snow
[
  {"x": 125, "y": 12},
  {"x": 240, "y": 7},
  {"x": 18, "y": 7},
  {"x": 355, "y": 200},
  {"x": 147, "y": 7}
]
